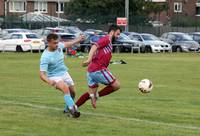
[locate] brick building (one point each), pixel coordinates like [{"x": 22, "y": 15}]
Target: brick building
[
  {"x": 181, "y": 8},
  {"x": 184, "y": 7},
  {"x": 1, "y": 7},
  {"x": 20, "y": 7}
]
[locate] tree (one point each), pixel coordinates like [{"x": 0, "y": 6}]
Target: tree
[
  {"x": 151, "y": 7},
  {"x": 98, "y": 11},
  {"x": 104, "y": 11}
]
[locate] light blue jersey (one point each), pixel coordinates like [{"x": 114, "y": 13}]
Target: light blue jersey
[{"x": 53, "y": 62}]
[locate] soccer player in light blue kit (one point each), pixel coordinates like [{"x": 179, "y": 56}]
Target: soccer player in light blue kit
[{"x": 54, "y": 72}]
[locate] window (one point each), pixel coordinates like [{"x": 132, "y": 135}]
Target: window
[
  {"x": 136, "y": 37},
  {"x": 198, "y": 9},
  {"x": 16, "y": 36},
  {"x": 31, "y": 36},
  {"x": 40, "y": 6},
  {"x": 172, "y": 37},
  {"x": 196, "y": 37},
  {"x": 60, "y": 7},
  {"x": 17, "y": 6},
  {"x": 177, "y": 7},
  {"x": 164, "y": 36}
]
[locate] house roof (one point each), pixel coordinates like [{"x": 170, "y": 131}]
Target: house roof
[{"x": 39, "y": 17}]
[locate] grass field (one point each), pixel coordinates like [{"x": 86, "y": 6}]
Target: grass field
[{"x": 28, "y": 107}]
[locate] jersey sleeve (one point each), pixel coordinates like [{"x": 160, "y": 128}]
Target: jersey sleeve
[
  {"x": 103, "y": 42},
  {"x": 44, "y": 64},
  {"x": 61, "y": 45}
]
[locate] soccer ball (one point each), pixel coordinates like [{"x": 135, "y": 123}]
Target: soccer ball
[{"x": 145, "y": 86}]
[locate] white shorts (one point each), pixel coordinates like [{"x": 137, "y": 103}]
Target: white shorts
[{"x": 66, "y": 78}]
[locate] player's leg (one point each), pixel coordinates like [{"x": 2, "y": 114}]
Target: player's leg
[
  {"x": 110, "y": 88},
  {"x": 91, "y": 94},
  {"x": 63, "y": 87},
  {"x": 68, "y": 99},
  {"x": 93, "y": 86},
  {"x": 70, "y": 83},
  {"x": 108, "y": 79},
  {"x": 72, "y": 91}
]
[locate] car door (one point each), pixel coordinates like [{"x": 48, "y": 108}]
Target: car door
[
  {"x": 12, "y": 41},
  {"x": 171, "y": 39},
  {"x": 196, "y": 37}
]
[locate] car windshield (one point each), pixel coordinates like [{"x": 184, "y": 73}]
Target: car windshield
[
  {"x": 31, "y": 36},
  {"x": 183, "y": 37},
  {"x": 74, "y": 30},
  {"x": 123, "y": 37},
  {"x": 67, "y": 37},
  {"x": 135, "y": 37},
  {"x": 149, "y": 37}
]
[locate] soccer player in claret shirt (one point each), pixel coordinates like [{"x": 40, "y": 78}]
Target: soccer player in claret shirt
[
  {"x": 54, "y": 72},
  {"x": 97, "y": 62}
]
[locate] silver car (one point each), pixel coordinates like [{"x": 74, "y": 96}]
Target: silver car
[
  {"x": 180, "y": 42},
  {"x": 151, "y": 43}
]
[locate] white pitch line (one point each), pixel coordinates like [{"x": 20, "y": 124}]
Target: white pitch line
[{"x": 107, "y": 116}]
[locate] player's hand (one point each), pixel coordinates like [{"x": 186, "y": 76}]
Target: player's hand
[
  {"x": 85, "y": 63},
  {"x": 51, "y": 82}
]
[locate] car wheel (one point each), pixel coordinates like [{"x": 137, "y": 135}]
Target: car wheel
[
  {"x": 148, "y": 49},
  {"x": 178, "y": 49},
  {"x": 19, "y": 48}
]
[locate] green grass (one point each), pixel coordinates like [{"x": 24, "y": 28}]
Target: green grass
[{"x": 29, "y": 107}]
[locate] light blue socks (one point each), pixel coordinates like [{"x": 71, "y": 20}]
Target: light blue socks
[{"x": 69, "y": 101}]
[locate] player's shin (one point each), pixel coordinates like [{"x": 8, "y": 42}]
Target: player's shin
[
  {"x": 105, "y": 91},
  {"x": 68, "y": 100},
  {"x": 83, "y": 99}
]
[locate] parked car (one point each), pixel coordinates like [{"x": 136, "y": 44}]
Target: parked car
[
  {"x": 72, "y": 30},
  {"x": 49, "y": 30},
  {"x": 125, "y": 44},
  {"x": 65, "y": 37},
  {"x": 151, "y": 43},
  {"x": 180, "y": 42},
  {"x": 92, "y": 31},
  {"x": 14, "y": 30},
  {"x": 91, "y": 37},
  {"x": 21, "y": 41},
  {"x": 195, "y": 36},
  {"x": 6, "y": 32}
]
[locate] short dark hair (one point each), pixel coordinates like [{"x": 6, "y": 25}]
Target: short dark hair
[
  {"x": 52, "y": 36},
  {"x": 114, "y": 27}
]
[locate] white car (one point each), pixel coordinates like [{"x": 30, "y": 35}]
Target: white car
[
  {"x": 152, "y": 43},
  {"x": 21, "y": 41}
]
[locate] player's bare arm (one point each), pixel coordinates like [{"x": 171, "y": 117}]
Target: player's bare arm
[
  {"x": 91, "y": 53},
  {"x": 74, "y": 42},
  {"x": 45, "y": 79}
]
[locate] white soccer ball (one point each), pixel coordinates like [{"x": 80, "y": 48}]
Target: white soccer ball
[{"x": 145, "y": 86}]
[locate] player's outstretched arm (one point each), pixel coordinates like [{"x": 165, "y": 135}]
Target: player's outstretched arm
[
  {"x": 75, "y": 41},
  {"x": 91, "y": 54},
  {"x": 44, "y": 78}
]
